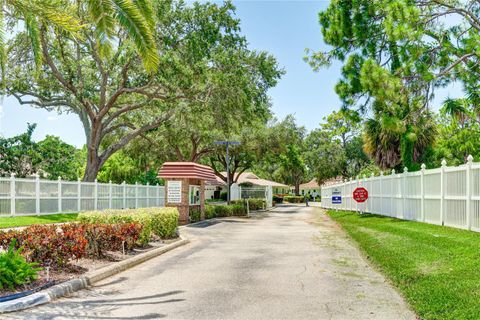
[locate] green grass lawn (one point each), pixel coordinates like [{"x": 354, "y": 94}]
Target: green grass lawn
[
  {"x": 9, "y": 222},
  {"x": 436, "y": 268}
]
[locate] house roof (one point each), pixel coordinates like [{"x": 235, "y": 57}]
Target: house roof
[
  {"x": 312, "y": 184},
  {"x": 331, "y": 181},
  {"x": 253, "y": 179},
  {"x": 186, "y": 170}
]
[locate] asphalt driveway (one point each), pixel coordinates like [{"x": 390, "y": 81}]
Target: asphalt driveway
[{"x": 292, "y": 263}]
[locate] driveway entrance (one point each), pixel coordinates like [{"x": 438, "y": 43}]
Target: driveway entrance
[{"x": 292, "y": 263}]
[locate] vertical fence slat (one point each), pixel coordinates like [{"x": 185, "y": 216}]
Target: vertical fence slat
[
  {"x": 37, "y": 194},
  {"x": 442, "y": 192},
  {"x": 468, "y": 210},
  {"x": 136, "y": 195},
  {"x": 12, "y": 194},
  {"x": 422, "y": 193},
  {"x": 59, "y": 194}
]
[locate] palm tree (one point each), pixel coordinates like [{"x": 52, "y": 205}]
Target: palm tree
[
  {"x": 398, "y": 139},
  {"x": 457, "y": 109},
  {"x": 135, "y": 17}
]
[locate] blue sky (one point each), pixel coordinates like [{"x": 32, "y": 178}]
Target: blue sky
[{"x": 283, "y": 28}]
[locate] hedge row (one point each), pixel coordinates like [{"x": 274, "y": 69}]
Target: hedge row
[
  {"x": 294, "y": 199},
  {"x": 218, "y": 211},
  {"x": 253, "y": 204},
  {"x": 162, "y": 222}
]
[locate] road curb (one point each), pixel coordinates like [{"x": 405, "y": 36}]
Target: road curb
[{"x": 67, "y": 288}]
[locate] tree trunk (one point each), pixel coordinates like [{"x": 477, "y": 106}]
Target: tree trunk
[
  {"x": 93, "y": 160},
  {"x": 93, "y": 165},
  {"x": 297, "y": 189}
]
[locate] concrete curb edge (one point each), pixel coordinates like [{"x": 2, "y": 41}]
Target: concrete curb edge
[{"x": 67, "y": 288}]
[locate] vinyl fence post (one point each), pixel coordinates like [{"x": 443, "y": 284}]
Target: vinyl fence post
[
  {"x": 392, "y": 196},
  {"x": 148, "y": 194},
  {"x": 372, "y": 201},
  {"x": 37, "y": 193},
  {"x": 468, "y": 190},
  {"x": 95, "y": 195},
  {"x": 124, "y": 195},
  {"x": 380, "y": 195},
  {"x": 59, "y": 194},
  {"x": 12, "y": 194},
  {"x": 110, "y": 194},
  {"x": 442, "y": 192},
  {"x": 365, "y": 204},
  {"x": 136, "y": 195},
  {"x": 357, "y": 182},
  {"x": 422, "y": 192},
  {"x": 404, "y": 193},
  {"x": 157, "y": 201},
  {"x": 79, "y": 195}
]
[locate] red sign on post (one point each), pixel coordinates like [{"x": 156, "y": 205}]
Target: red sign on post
[{"x": 360, "y": 194}]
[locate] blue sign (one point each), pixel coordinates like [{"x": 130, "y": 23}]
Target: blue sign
[{"x": 337, "y": 199}]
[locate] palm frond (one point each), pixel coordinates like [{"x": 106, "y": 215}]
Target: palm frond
[
  {"x": 31, "y": 25},
  {"x": 130, "y": 17}
]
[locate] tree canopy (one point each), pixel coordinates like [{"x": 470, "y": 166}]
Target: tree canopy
[{"x": 202, "y": 60}]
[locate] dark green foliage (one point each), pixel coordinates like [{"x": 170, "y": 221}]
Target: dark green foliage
[
  {"x": 50, "y": 157},
  {"x": 253, "y": 203},
  {"x": 239, "y": 210},
  {"x": 277, "y": 199},
  {"x": 294, "y": 199},
  {"x": 14, "y": 269},
  {"x": 210, "y": 212},
  {"x": 223, "y": 196},
  {"x": 223, "y": 210},
  {"x": 195, "y": 215}
]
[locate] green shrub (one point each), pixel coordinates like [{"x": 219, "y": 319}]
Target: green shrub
[
  {"x": 277, "y": 199},
  {"x": 223, "y": 196},
  {"x": 195, "y": 215},
  {"x": 210, "y": 212},
  {"x": 14, "y": 269},
  {"x": 162, "y": 222},
  {"x": 294, "y": 199},
  {"x": 223, "y": 211},
  {"x": 239, "y": 210},
  {"x": 253, "y": 203}
]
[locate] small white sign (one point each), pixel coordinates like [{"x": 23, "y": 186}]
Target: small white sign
[{"x": 174, "y": 192}]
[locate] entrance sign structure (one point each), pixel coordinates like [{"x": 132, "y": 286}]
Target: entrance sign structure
[{"x": 185, "y": 187}]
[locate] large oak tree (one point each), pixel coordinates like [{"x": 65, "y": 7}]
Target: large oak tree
[{"x": 115, "y": 98}]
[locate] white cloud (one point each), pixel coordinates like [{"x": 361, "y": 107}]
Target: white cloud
[{"x": 52, "y": 118}]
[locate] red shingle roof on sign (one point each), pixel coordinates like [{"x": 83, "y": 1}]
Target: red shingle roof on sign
[{"x": 190, "y": 170}]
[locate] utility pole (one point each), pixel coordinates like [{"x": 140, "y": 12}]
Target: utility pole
[{"x": 227, "y": 144}]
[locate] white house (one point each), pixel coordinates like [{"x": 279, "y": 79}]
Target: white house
[{"x": 213, "y": 190}]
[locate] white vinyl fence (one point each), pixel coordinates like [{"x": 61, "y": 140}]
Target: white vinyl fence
[
  {"x": 447, "y": 196},
  {"x": 19, "y": 196}
]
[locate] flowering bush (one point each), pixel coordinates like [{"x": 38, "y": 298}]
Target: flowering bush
[{"x": 57, "y": 245}]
